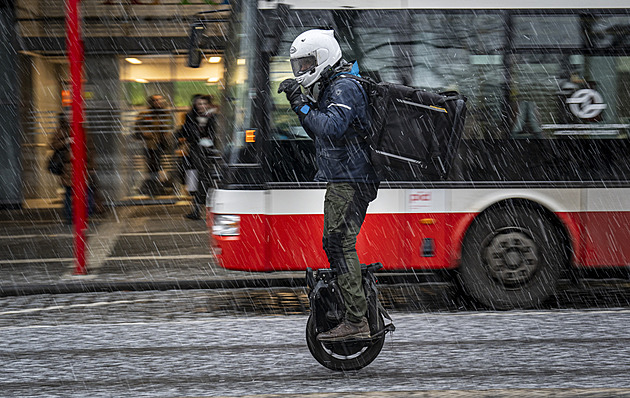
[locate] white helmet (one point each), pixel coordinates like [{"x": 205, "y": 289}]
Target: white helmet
[{"x": 312, "y": 52}]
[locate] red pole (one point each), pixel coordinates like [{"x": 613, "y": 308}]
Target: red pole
[{"x": 74, "y": 48}]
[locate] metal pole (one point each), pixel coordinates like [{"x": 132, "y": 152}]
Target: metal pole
[{"x": 74, "y": 48}]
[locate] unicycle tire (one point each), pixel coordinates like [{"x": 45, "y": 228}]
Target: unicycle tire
[{"x": 344, "y": 356}]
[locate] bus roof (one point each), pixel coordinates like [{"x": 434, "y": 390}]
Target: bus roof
[{"x": 452, "y": 4}]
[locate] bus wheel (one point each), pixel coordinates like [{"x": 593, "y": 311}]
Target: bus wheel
[
  {"x": 351, "y": 355},
  {"x": 511, "y": 258}
]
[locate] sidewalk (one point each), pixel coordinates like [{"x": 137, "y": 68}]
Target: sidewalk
[{"x": 140, "y": 247}]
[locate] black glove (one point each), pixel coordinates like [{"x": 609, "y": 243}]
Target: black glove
[
  {"x": 289, "y": 86},
  {"x": 295, "y": 97}
]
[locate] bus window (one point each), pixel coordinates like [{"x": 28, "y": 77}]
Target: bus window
[
  {"x": 284, "y": 123},
  {"x": 609, "y": 32},
  {"x": 561, "y": 95},
  {"x": 379, "y": 41},
  {"x": 560, "y": 86},
  {"x": 557, "y": 31},
  {"x": 239, "y": 91},
  {"x": 461, "y": 52}
]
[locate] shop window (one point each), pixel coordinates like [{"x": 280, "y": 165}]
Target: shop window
[{"x": 170, "y": 77}]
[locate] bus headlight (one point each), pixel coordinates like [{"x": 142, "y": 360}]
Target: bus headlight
[{"x": 226, "y": 225}]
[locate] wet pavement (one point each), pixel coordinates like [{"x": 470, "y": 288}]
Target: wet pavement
[
  {"x": 156, "y": 316},
  {"x": 153, "y": 247},
  {"x": 147, "y": 344},
  {"x": 134, "y": 247}
]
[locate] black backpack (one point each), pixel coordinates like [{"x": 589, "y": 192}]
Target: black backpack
[{"x": 412, "y": 128}]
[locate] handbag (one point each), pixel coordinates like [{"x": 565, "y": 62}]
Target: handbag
[{"x": 56, "y": 162}]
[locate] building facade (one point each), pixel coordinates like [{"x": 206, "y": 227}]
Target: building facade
[{"x": 133, "y": 49}]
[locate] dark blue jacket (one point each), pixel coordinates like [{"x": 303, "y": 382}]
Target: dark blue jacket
[{"x": 339, "y": 126}]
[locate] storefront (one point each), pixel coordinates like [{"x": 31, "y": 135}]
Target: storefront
[{"x": 132, "y": 50}]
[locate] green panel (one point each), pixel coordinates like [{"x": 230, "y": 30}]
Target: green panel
[{"x": 184, "y": 90}]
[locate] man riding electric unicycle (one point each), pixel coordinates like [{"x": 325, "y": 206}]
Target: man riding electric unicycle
[{"x": 346, "y": 329}]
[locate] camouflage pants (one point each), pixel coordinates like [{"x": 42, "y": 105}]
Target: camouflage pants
[{"x": 345, "y": 206}]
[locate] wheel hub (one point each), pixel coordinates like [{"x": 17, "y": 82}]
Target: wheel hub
[{"x": 511, "y": 256}]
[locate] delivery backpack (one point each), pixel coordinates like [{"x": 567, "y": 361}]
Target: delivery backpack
[{"x": 413, "y": 129}]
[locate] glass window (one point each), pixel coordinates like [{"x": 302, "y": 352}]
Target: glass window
[
  {"x": 557, "y": 95},
  {"x": 479, "y": 33},
  {"x": 168, "y": 76},
  {"x": 284, "y": 122},
  {"x": 609, "y": 31},
  {"x": 379, "y": 42},
  {"x": 461, "y": 52},
  {"x": 559, "y": 31},
  {"x": 239, "y": 91},
  {"x": 434, "y": 51},
  {"x": 376, "y": 52}
]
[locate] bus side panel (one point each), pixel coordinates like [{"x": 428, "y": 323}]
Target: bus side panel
[
  {"x": 381, "y": 239},
  {"x": 425, "y": 246},
  {"x": 573, "y": 222},
  {"x": 295, "y": 242},
  {"x": 399, "y": 240},
  {"x": 605, "y": 238},
  {"x": 457, "y": 225},
  {"x": 247, "y": 251}
]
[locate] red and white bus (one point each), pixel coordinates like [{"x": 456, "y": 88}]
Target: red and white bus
[{"x": 541, "y": 180}]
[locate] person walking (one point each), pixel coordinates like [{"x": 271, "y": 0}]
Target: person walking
[
  {"x": 61, "y": 141},
  {"x": 338, "y": 121},
  {"x": 154, "y": 127},
  {"x": 198, "y": 133}
]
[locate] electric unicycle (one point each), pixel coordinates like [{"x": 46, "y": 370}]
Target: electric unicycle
[{"x": 328, "y": 310}]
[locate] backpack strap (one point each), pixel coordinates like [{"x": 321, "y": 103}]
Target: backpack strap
[{"x": 362, "y": 83}]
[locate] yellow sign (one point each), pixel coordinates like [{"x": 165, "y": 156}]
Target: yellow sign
[{"x": 250, "y": 135}]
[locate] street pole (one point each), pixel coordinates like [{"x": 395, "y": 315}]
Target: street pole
[{"x": 74, "y": 49}]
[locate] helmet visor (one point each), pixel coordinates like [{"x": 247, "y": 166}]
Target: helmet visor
[{"x": 303, "y": 65}]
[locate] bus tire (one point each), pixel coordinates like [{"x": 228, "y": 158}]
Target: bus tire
[
  {"x": 343, "y": 356},
  {"x": 512, "y": 257}
]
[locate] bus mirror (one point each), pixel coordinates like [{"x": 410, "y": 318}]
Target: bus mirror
[{"x": 194, "y": 50}]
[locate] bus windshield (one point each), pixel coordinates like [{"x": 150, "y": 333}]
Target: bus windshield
[{"x": 239, "y": 92}]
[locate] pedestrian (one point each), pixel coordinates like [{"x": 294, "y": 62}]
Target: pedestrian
[
  {"x": 337, "y": 121},
  {"x": 198, "y": 134},
  {"x": 62, "y": 141},
  {"x": 154, "y": 127}
]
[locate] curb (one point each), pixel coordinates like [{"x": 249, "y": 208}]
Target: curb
[
  {"x": 94, "y": 287},
  {"x": 29, "y": 289}
]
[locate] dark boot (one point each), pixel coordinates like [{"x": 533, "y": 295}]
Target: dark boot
[
  {"x": 195, "y": 213},
  {"x": 347, "y": 330}
]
